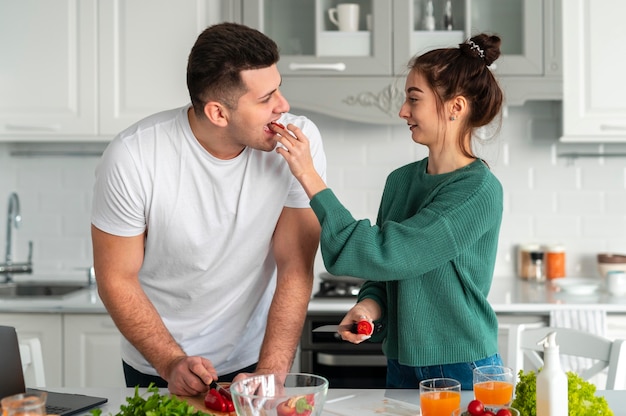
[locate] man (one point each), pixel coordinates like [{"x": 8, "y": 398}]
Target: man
[{"x": 203, "y": 241}]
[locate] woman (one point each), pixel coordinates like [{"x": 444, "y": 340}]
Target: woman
[{"x": 429, "y": 259}]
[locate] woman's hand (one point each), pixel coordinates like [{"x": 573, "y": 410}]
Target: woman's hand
[
  {"x": 297, "y": 152},
  {"x": 367, "y": 310}
]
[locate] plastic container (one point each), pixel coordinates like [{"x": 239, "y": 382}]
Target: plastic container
[
  {"x": 526, "y": 266},
  {"x": 551, "y": 381},
  {"x": 555, "y": 261}
]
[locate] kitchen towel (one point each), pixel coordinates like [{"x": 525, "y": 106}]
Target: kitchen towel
[{"x": 592, "y": 320}]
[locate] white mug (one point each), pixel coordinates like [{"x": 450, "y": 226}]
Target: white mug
[
  {"x": 345, "y": 16},
  {"x": 616, "y": 282}
]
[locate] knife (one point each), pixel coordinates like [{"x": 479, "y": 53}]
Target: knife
[
  {"x": 221, "y": 390},
  {"x": 348, "y": 327}
]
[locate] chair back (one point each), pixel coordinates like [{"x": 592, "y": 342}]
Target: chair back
[
  {"x": 32, "y": 362},
  {"x": 602, "y": 352}
]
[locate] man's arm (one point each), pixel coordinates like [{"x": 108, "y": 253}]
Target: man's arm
[
  {"x": 295, "y": 243},
  {"x": 117, "y": 261}
]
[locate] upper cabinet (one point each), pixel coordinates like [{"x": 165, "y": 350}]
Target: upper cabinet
[
  {"x": 357, "y": 72},
  {"x": 75, "y": 70},
  {"x": 594, "y": 109},
  {"x": 48, "y": 67}
]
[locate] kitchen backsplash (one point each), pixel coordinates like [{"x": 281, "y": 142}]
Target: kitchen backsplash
[{"x": 549, "y": 198}]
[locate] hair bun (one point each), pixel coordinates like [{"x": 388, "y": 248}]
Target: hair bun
[{"x": 482, "y": 46}]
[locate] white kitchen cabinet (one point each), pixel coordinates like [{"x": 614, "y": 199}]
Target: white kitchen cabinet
[
  {"x": 48, "y": 328},
  {"x": 92, "y": 354},
  {"x": 48, "y": 68},
  {"x": 360, "y": 75},
  {"x": 76, "y": 70},
  {"x": 594, "y": 109}
]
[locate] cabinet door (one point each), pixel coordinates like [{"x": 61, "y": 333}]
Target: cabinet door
[
  {"x": 593, "y": 97},
  {"x": 310, "y": 44},
  {"x": 144, "y": 46},
  {"x": 518, "y": 22},
  {"x": 48, "y": 68},
  {"x": 46, "y": 327},
  {"x": 92, "y": 351}
]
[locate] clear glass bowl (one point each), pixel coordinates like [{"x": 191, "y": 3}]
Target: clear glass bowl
[{"x": 279, "y": 394}]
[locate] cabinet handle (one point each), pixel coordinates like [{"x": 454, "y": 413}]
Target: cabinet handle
[
  {"x": 339, "y": 67},
  {"x": 26, "y": 127},
  {"x": 612, "y": 127}
]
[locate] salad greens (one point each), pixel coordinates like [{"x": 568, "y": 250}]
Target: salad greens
[
  {"x": 154, "y": 405},
  {"x": 581, "y": 396}
]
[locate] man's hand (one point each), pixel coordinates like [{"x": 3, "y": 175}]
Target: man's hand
[{"x": 190, "y": 376}]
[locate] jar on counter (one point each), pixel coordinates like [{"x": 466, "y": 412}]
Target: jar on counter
[
  {"x": 555, "y": 261},
  {"x": 526, "y": 266}
]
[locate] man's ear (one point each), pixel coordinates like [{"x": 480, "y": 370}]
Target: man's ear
[{"x": 216, "y": 113}]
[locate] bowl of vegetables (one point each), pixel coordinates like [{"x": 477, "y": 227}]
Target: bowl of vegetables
[{"x": 290, "y": 394}]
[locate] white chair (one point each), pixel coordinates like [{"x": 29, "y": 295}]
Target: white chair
[
  {"x": 32, "y": 362},
  {"x": 604, "y": 353}
]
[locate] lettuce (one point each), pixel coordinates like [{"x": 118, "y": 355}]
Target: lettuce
[{"x": 581, "y": 396}]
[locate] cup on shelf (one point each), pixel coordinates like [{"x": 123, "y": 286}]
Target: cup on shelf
[
  {"x": 345, "y": 16},
  {"x": 493, "y": 385},
  {"x": 616, "y": 282},
  {"x": 439, "y": 396}
]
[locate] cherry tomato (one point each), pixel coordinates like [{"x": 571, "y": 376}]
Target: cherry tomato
[
  {"x": 214, "y": 401},
  {"x": 488, "y": 413},
  {"x": 504, "y": 412},
  {"x": 476, "y": 408}
]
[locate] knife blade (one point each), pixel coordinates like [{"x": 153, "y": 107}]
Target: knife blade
[
  {"x": 348, "y": 327},
  {"x": 221, "y": 390}
]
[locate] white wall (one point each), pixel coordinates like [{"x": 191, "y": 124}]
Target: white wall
[{"x": 581, "y": 203}]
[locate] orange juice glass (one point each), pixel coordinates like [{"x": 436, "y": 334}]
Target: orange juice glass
[
  {"x": 439, "y": 396},
  {"x": 493, "y": 385}
]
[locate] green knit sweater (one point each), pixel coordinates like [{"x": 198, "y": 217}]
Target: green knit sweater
[{"x": 428, "y": 261}]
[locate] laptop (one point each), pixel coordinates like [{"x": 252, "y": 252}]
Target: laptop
[{"x": 12, "y": 380}]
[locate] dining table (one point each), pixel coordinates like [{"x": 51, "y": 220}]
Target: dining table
[{"x": 341, "y": 402}]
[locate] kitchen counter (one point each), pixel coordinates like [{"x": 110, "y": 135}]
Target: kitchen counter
[
  {"x": 508, "y": 295},
  {"x": 347, "y": 402},
  {"x": 512, "y": 296}
]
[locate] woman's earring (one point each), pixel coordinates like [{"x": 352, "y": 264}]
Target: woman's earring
[{"x": 452, "y": 118}]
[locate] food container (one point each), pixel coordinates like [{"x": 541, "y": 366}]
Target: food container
[
  {"x": 555, "y": 261},
  {"x": 608, "y": 262},
  {"x": 527, "y": 266}
]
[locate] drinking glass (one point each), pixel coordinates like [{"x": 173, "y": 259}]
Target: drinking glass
[
  {"x": 493, "y": 385},
  {"x": 439, "y": 396},
  {"x": 25, "y": 404}
]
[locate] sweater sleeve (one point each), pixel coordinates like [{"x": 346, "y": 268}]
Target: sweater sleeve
[{"x": 456, "y": 218}]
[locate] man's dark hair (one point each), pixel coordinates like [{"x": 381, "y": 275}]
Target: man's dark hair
[{"x": 217, "y": 58}]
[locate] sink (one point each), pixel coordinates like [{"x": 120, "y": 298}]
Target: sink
[{"x": 34, "y": 289}]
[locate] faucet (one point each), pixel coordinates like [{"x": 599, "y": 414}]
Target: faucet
[{"x": 14, "y": 218}]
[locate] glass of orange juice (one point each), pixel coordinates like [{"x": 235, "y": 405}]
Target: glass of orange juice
[
  {"x": 493, "y": 385},
  {"x": 439, "y": 396},
  {"x": 32, "y": 403}
]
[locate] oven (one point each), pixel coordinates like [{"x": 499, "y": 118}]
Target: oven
[{"x": 344, "y": 364}]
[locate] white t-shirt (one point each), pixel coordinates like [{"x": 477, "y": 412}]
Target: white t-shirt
[{"x": 208, "y": 266}]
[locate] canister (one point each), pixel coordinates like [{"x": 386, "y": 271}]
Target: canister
[
  {"x": 555, "y": 261},
  {"x": 526, "y": 267}
]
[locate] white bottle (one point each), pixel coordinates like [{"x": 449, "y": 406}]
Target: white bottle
[{"x": 551, "y": 381}]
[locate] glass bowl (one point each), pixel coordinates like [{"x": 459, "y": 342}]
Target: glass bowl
[{"x": 298, "y": 394}]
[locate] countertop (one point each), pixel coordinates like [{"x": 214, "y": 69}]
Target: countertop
[
  {"x": 514, "y": 295},
  {"x": 508, "y": 295},
  {"x": 347, "y": 402}
]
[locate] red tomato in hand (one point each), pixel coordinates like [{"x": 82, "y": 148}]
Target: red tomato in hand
[
  {"x": 476, "y": 408},
  {"x": 504, "y": 412}
]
